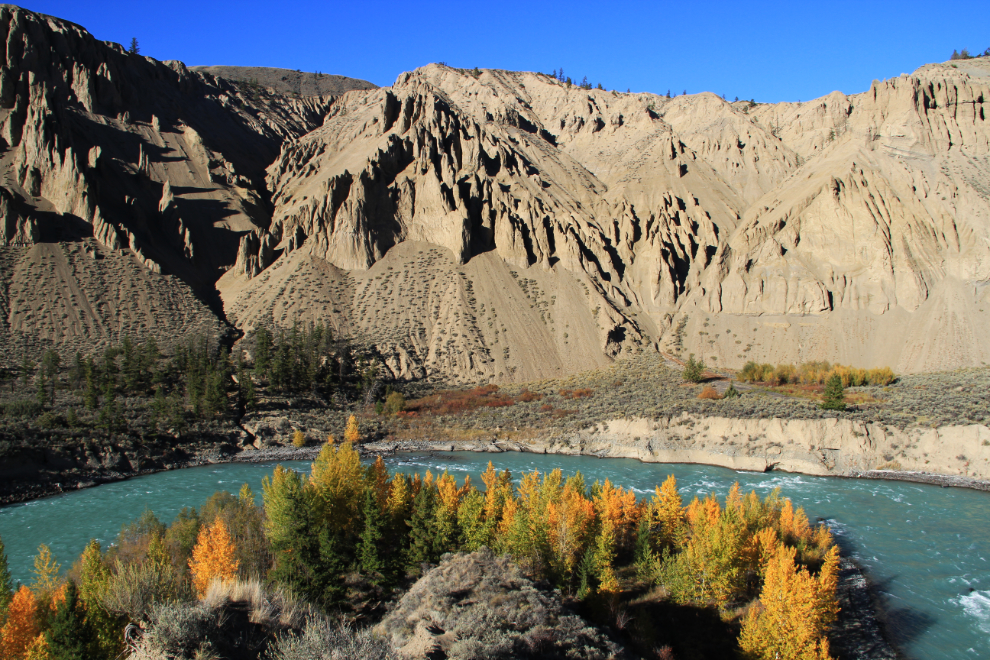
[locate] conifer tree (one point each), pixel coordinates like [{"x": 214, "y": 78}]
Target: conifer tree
[
  {"x": 69, "y": 636},
  {"x": 21, "y": 627},
  {"x": 694, "y": 369},
  {"x": 6, "y": 583},
  {"x": 422, "y": 528},
  {"x": 338, "y": 480},
  {"x": 370, "y": 550},
  {"x": 833, "y": 397}
]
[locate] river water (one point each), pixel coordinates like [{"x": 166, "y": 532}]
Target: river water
[{"x": 927, "y": 548}]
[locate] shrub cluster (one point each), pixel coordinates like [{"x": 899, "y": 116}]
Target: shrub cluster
[{"x": 814, "y": 373}]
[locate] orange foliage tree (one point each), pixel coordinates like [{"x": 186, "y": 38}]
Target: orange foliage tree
[
  {"x": 213, "y": 557},
  {"x": 21, "y": 628}
]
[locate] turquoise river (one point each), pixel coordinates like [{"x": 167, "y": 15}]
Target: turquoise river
[{"x": 926, "y": 548}]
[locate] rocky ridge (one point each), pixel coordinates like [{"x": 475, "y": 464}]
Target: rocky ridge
[{"x": 502, "y": 226}]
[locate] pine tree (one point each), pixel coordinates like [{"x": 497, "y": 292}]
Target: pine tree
[
  {"x": 213, "y": 558},
  {"x": 134, "y": 49},
  {"x": 21, "y": 627},
  {"x": 422, "y": 528},
  {"x": 370, "y": 550},
  {"x": 91, "y": 396},
  {"x": 68, "y": 635},
  {"x": 6, "y": 583},
  {"x": 833, "y": 398}
]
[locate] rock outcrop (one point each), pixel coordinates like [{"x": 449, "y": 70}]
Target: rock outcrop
[
  {"x": 491, "y": 226},
  {"x": 789, "y": 232}
]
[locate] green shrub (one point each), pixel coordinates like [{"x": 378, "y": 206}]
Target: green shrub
[
  {"x": 694, "y": 370},
  {"x": 395, "y": 403},
  {"x": 731, "y": 392}
]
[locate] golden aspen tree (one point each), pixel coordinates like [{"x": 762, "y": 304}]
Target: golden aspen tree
[
  {"x": 94, "y": 578},
  {"x": 708, "y": 571},
  {"x": 46, "y": 569},
  {"x": 298, "y": 438},
  {"x": 338, "y": 480},
  {"x": 213, "y": 557},
  {"x": 400, "y": 496},
  {"x": 569, "y": 521},
  {"x": 445, "y": 516},
  {"x": 378, "y": 478},
  {"x": 794, "y": 612},
  {"x": 21, "y": 627},
  {"x": 668, "y": 513},
  {"x": 352, "y": 434}
]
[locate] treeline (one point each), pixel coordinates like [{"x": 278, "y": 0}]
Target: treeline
[
  {"x": 964, "y": 54},
  {"x": 310, "y": 358},
  {"x": 814, "y": 373},
  {"x": 198, "y": 381},
  {"x": 193, "y": 383},
  {"x": 313, "y": 533}
]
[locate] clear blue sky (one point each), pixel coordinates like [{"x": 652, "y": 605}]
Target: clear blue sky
[{"x": 784, "y": 51}]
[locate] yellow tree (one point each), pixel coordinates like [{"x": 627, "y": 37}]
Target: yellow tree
[
  {"x": 352, "y": 434},
  {"x": 378, "y": 478},
  {"x": 213, "y": 557},
  {"x": 794, "y": 612},
  {"x": 338, "y": 479},
  {"x": 667, "y": 509},
  {"x": 46, "y": 569},
  {"x": 21, "y": 628},
  {"x": 569, "y": 520}
]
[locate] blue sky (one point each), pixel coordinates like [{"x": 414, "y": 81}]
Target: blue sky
[{"x": 767, "y": 51}]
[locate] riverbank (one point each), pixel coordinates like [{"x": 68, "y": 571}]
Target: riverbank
[{"x": 948, "y": 456}]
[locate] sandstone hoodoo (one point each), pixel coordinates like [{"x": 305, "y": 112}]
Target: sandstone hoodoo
[{"x": 485, "y": 225}]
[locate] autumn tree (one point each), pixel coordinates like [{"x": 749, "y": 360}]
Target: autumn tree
[
  {"x": 338, "y": 482},
  {"x": 46, "y": 574},
  {"x": 94, "y": 578},
  {"x": 21, "y": 628},
  {"x": 794, "y": 612},
  {"x": 213, "y": 557},
  {"x": 352, "y": 434}
]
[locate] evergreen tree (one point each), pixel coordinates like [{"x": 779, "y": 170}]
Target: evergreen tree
[
  {"x": 131, "y": 365},
  {"x": 77, "y": 374},
  {"x": 422, "y": 528},
  {"x": 134, "y": 49},
  {"x": 91, "y": 396},
  {"x": 262, "y": 351},
  {"x": 833, "y": 398},
  {"x": 69, "y": 636},
  {"x": 6, "y": 583},
  {"x": 370, "y": 550}
]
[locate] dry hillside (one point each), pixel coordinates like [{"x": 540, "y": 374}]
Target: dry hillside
[{"x": 494, "y": 225}]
